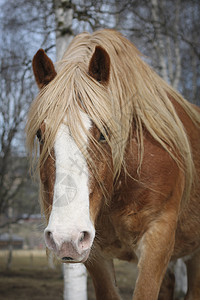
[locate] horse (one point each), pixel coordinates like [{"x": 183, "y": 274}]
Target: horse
[{"x": 119, "y": 165}]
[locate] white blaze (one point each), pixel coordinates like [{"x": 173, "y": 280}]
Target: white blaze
[{"x": 70, "y": 211}]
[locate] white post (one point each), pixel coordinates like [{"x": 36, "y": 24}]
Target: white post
[
  {"x": 181, "y": 276},
  {"x": 75, "y": 279}
]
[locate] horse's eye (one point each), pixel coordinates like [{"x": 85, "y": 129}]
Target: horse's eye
[
  {"x": 102, "y": 137},
  {"x": 39, "y": 135}
]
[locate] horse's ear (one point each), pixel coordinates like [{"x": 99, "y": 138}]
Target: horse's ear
[
  {"x": 43, "y": 68},
  {"x": 99, "y": 67}
]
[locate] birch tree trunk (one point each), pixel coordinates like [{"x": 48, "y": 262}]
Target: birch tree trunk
[
  {"x": 159, "y": 43},
  {"x": 64, "y": 16},
  {"x": 75, "y": 275},
  {"x": 175, "y": 74},
  {"x": 167, "y": 46}
]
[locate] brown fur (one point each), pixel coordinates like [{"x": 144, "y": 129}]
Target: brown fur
[
  {"x": 143, "y": 216},
  {"x": 43, "y": 68},
  {"x": 99, "y": 67}
]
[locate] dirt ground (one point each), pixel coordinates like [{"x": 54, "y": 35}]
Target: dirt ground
[
  {"x": 30, "y": 284},
  {"x": 31, "y": 279}
]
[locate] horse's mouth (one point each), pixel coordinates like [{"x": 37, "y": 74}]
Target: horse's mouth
[{"x": 81, "y": 259}]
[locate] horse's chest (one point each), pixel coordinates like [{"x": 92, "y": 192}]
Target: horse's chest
[
  {"x": 116, "y": 241},
  {"x": 119, "y": 250}
]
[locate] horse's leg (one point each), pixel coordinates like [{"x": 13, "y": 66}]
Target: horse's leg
[
  {"x": 157, "y": 245},
  {"x": 154, "y": 251},
  {"x": 103, "y": 276},
  {"x": 167, "y": 287},
  {"x": 193, "y": 273}
]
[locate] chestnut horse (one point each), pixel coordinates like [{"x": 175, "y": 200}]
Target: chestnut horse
[{"x": 119, "y": 165}]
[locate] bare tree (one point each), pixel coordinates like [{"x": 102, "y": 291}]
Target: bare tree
[
  {"x": 64, "y": 15},
  {"x": 17, "y": 92},
  {"x": 166, "y": 32},
  {"x": 15, "y": 88}
]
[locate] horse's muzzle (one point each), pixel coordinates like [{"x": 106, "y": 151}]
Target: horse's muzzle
[{"x": 70, "y": 249}]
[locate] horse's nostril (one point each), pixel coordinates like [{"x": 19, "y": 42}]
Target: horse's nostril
[
  {"x": 84, "y": 239},
  {"x": 49, "y": 239},
  {"x": 67, "y": 258},
  {"x": 82, "y": 236},
  {"x": 86, "y": 235},
  {"x": 49, "y": 234}
]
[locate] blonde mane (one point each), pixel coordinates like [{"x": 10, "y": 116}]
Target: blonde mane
[{"x": 134, "y": 93}]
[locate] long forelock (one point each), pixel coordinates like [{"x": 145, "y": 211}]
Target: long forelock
[{"x": 134, "y": 91}]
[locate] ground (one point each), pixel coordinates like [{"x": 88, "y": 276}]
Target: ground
[{"x": 31, "y": 278}]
